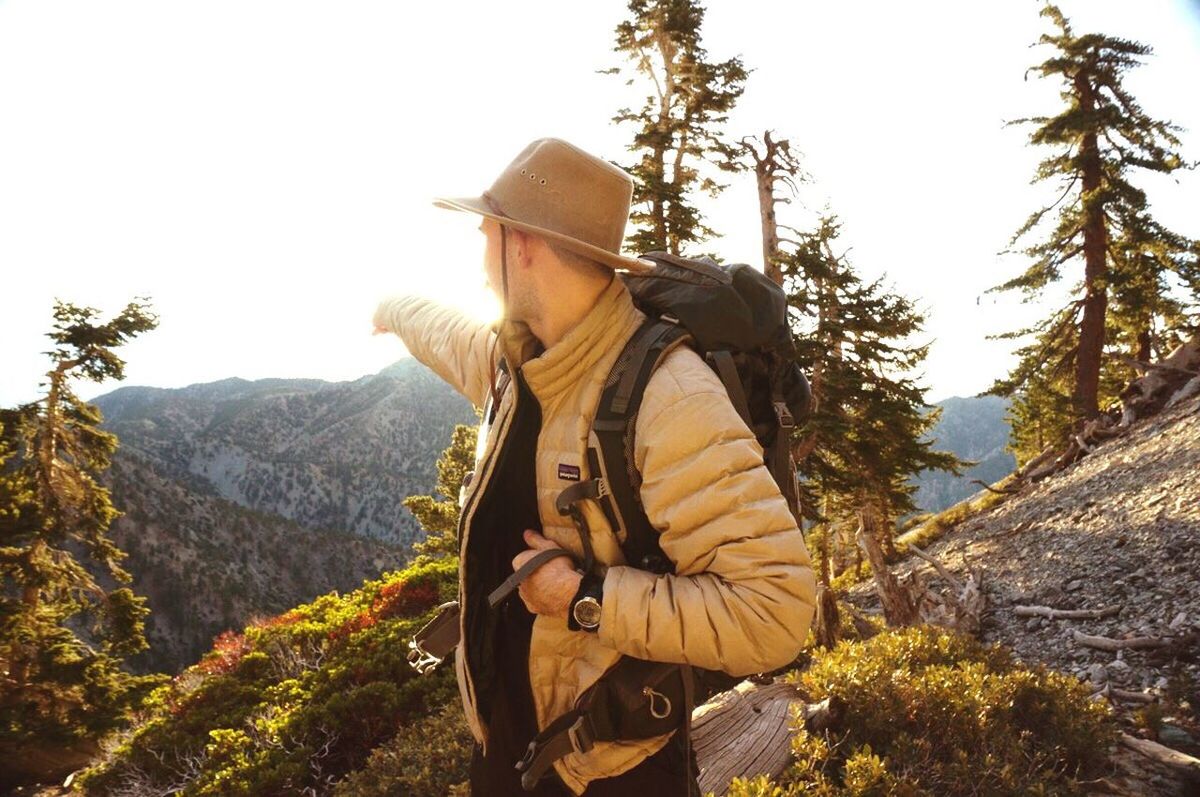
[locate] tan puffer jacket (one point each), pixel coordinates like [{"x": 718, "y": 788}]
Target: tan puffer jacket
[{"x": 742, "y": 596}]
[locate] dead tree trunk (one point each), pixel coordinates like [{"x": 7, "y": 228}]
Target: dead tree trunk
[
  {"x": 745, "y": 732},
  {"x": 775, "y": 164},
  {"x": 898, "y": 607},
  {"x": 827, "y": 624}
]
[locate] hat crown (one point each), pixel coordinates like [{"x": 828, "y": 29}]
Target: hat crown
[{"x": 554, "y": 185}]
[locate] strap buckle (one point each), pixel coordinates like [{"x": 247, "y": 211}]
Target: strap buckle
[
  {"x": 592, "y": 488},
  {"x": 579, "y": 737},
  {"x": 421, "y": 659},
  {"x": 582, "y": 737},
  {"x": 784, "y": 415}
]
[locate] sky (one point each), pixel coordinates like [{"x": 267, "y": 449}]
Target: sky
[{"x": 263, "y": 170}]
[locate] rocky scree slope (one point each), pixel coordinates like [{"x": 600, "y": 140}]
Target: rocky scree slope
[{"x": 1117, "y": 530}]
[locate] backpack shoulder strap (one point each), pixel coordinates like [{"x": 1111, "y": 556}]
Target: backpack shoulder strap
[
  {"x": 502, "y": 381},
  {"x": 610, "y": 448}
]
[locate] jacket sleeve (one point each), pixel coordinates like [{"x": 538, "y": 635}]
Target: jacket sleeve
[
  {"x": 454, "y": 346},
  {"x": 743, "y": 594}
]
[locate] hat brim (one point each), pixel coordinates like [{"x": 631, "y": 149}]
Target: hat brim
[{"x": 610, "y": 259}]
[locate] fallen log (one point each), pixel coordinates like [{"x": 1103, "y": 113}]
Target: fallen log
[
  {"x": 1131, "y": 697},
  {"x": 1144, "y": 367},
  {"x": 993, "y": 490},
  {"x": 1065, "y": 614},
  {"x": 1181, "y": 762},
  {"x": 1113, "y": 645},
  {"x": 954, "y": 583},
  {"x": 1035, "y": 463},
  {"x": 1184, "y": 393},
  {"x": 746, "y": 731},
  {"x": 1149, "y": 393}
]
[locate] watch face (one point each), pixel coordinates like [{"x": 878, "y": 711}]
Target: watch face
[{"x": 587, "y": 612}]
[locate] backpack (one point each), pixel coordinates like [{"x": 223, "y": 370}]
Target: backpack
[{"x": 735, "y": 317}]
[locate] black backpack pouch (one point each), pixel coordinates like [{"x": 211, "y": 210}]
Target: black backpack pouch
[{"x": 633, "y": 699}]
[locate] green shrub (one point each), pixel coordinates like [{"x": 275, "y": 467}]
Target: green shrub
[
  {"x": 293, "y": 703},
  {"x": 929, "y": 712},
  {"x": 427, "y": 758}
]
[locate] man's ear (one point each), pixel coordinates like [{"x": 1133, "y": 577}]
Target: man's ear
[{"x": 523, "y": 245}]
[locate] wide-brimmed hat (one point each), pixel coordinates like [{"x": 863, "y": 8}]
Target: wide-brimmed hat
[{"x": 558, "y": 191}]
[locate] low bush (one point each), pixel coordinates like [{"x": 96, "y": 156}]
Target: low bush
[
  {"x": 293, "y": 703},
  {"x": 428, "y": 758},
  {"x": 928, "y": 712}
]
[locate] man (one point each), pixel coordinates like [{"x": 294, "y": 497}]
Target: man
[{"x": 741, "y": 596}]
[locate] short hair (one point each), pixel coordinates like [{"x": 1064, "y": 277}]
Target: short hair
[{"x": 577, "y": 261}]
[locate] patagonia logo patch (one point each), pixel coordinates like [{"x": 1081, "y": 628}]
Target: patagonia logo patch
[{"x": 568, "y": 472}]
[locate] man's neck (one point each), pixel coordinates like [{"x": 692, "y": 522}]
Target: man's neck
[{"x": 563, "y": 308}]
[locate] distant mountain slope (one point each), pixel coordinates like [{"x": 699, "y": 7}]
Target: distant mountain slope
[
  {"x": 245, "y": 498},
  {"x": 975, "y": 429},
  {"x": 325, "y": 455},
  {"x": 207, "y": 565}
]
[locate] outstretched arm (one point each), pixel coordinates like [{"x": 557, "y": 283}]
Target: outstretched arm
[
  {"x": 454, "y": 346},
  {"x": 743, "y": 594}
]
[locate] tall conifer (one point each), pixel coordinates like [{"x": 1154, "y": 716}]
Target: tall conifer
[
  {"x": 438, "y": 517},
  {"x": 1103, "y": 224},
  {"x": 678, "y": 127},
  {"x": 868, "y": 434},
  {"x": 66, "y": 620}
]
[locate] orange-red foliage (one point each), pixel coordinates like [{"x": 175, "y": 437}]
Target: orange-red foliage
[
  {"x": 396, "y": 599},
  {"x": 228, "y": 649},
  {"x": 279, "y": 620}
]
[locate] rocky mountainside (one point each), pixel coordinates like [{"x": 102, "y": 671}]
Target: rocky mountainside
[
  {"x": 975, "y": 429},
  {"x": 246, "y": 498},
  {"x": 325, "y": 455},
  {"x": 207, "y": 565},
  {"x": 1115, "y": 534}
]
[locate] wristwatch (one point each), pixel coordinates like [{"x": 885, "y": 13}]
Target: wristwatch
[{"x": 584, "y": 613}]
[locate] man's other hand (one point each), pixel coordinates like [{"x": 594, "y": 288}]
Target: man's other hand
[{"x": 549, "y": 589}]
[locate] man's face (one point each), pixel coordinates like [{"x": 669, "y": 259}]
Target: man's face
[
  {"x": 520, "y": 303},
  {"x": 491, "y": 256}
]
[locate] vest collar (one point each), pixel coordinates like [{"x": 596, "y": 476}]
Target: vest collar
[{"x": 549, "y": 372}]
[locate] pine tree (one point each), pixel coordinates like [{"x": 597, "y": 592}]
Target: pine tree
[
  {"x": 1103, "y": 223},
  {"x": 438, "y": 517},
  {"x": 1146, "y": 318},
  {"x": 678, "y": 126},
  {"x": 867, "y": 436},
  {"x": 66, "y": 624}
]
